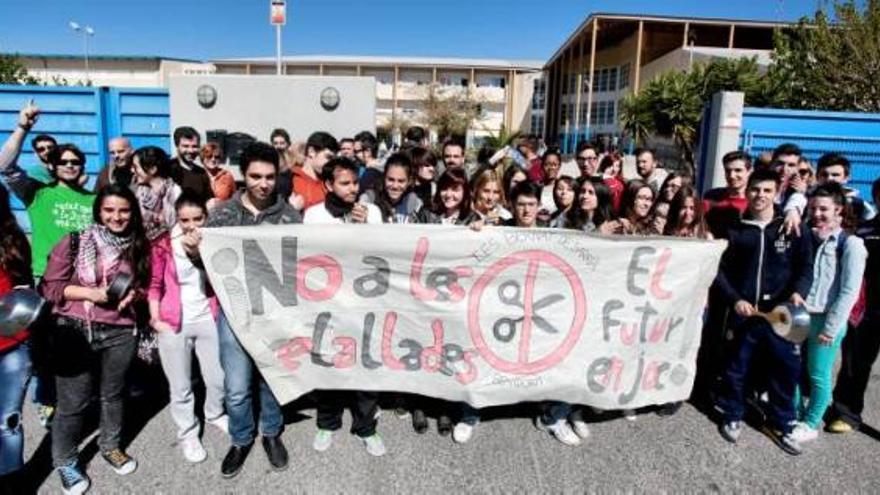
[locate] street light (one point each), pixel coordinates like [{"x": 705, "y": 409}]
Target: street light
[{"x": 86, "y": 32}]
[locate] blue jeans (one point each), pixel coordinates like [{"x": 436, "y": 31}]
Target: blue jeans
[
  {"x": 754, "y": 337},
  {"x": 15, "y": 369},
  {"x": 239, "y": 371}
]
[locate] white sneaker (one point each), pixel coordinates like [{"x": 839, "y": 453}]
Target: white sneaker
[
  {"x": 581, "y": 428},
  {"x": 462, "y": 432},
  {"x": 193, "y": 451},
  {"x": 375, "y": 445},
  {"x": 221, "y": 423},
  {"x": 629, "y": 414},
  {"x": 803, "y": 433},
  {"x": 323, "y": 440},
  {"x": 562, "y": 432}
]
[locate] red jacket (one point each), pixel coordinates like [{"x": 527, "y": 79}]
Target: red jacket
[{"x": 7, "y": 343}]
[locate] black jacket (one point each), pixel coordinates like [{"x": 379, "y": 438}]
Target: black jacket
[{"x": 765, "y": 266}]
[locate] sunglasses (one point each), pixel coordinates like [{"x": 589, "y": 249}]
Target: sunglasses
[
  {"x": 805, "y": 172},
  {"x": 70, "y": 163},
  {"x": 41, "y": 149}
]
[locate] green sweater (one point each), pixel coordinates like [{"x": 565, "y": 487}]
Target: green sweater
[{"x": 54, "y": 210}]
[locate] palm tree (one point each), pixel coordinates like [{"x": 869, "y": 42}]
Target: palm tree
[{"x": 636, "y": 117}]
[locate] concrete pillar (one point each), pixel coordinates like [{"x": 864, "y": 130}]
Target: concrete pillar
[{"x": 725, "y": 127}]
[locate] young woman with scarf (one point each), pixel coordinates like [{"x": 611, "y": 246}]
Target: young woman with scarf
[
  {"x": 155, "y": 190},
  {"x": 95, "y": 338}
]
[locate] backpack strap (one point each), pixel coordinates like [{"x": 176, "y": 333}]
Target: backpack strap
[{"x": 841, "y": 245}]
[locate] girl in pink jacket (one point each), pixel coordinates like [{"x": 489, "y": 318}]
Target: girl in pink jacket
[{"x": 183, "y": 312}]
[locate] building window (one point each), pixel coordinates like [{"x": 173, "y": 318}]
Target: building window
[
  {"x": 612, "y": 79},
  {"x": 623, "y": 78},
  {"x": 539, "y": 94},
  {"x": 537, "y": 124}
]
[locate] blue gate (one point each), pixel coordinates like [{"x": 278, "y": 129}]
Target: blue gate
[
  {"x": 855, "y": 135},
  {"x": 89, "y": 118}
]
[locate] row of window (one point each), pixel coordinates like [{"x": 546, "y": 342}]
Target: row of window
[
  {"x": 601, "y": 113},
  {"x": 442, "y": 79},
  {"x": 607, "y": 79}
]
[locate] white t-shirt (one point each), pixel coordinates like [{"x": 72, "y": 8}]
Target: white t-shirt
[
  {"x": 318, "y": 214},
  {"x": 193, "y": 296}
]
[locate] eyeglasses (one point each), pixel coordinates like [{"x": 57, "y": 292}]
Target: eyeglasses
[{"x": 70, "y": 163}]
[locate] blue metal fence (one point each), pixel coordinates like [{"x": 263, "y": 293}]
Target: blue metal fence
[
  {"x": 89, "y": 118},
  {"x": 855, "y": 135}
]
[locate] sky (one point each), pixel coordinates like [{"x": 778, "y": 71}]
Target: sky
[{"x": 212, "y": 29}]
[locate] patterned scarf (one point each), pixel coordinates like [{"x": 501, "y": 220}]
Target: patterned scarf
[
  {"x": 153, "y": 205},
  {"x": 98, "y": 247}
]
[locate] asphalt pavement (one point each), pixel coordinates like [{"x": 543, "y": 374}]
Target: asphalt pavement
[{"x": 506, "y": 455}]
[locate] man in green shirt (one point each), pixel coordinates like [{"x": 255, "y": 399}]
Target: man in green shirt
[{"x": 57, "y": 208}]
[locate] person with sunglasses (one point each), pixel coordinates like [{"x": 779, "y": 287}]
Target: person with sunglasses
[
  {"x": 222, "y": 181},
  {"x": 54, "y": 209},
  {"x": 42, "y": 145}
]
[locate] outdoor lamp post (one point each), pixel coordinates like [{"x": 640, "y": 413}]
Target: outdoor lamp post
[{"x": 86, "y": 32}]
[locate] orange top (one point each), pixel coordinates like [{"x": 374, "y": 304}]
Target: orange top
[
  {"x": 312, "y": 190},
  {"x": 222, "y": 185}
]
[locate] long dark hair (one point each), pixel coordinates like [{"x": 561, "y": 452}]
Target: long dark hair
[
  {"x": 627, "y": 206},
  {"x": 138, "y": 253},
  {"x": 673, "y": 221},
  {"x": 451, "y": 179},
  {"x": 382, "y": 200},
  {"x": 154, "y": 161},
  {"x": 575, "y": 218},
  {"x": 15, "y": 252}
]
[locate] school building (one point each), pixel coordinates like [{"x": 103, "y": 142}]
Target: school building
[
  {"x": 503, "y": 89},
  {"x": 611, "y": 55}
]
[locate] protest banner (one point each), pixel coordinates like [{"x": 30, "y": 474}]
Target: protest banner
[{"x": 493, "y": 317}]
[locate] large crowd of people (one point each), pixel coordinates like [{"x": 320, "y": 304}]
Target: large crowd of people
[{"x": 797, "y": 237}]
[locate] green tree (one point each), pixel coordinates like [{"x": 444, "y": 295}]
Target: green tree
[
  {"x": 451, "y": 112},
  {"x": 13, "y": 72},
  {"x": 502, "y": 138},
  {"x": 671, "y": 105},
  {"x": 830, "y": 64}
]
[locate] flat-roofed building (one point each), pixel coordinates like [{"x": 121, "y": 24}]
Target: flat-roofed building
[
  {"x": 503, "y": 88},
  {"x": 110, "y": 70},
  {"x": 611, "y": 55}
]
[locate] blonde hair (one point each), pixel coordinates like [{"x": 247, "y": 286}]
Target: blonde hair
[{"x": 484, "y": 177}]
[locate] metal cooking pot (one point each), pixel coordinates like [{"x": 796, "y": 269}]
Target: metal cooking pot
[
  {"x": 19, "y": 309},
  {"x": 790, "y": 322},
  {"x": 119, "y": 287}
]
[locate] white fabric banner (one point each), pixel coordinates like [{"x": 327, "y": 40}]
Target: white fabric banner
[{"x": 493, "y": 317}]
